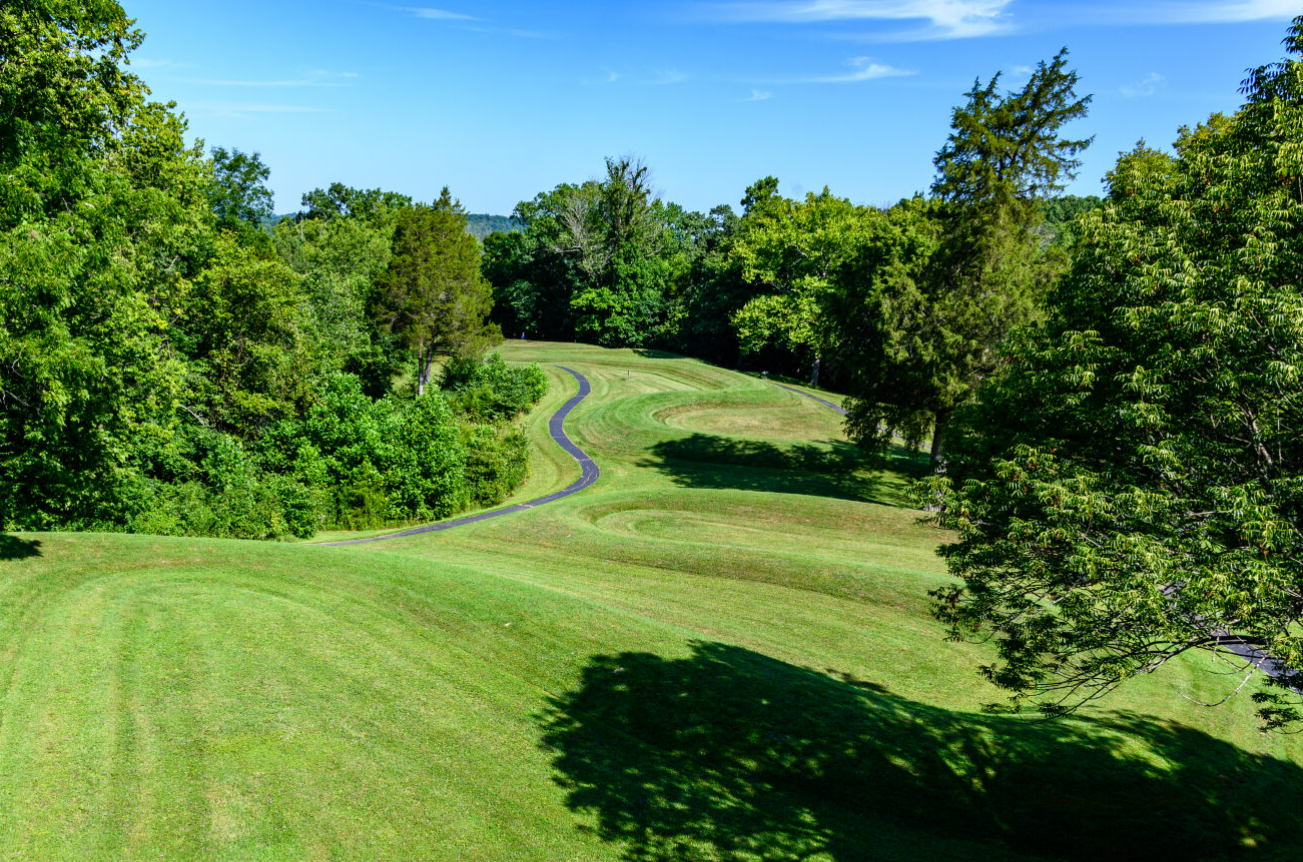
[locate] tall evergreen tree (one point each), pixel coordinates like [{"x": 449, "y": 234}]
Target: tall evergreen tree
[
  {"x": 432, "y": 294},
  {"x": 989, "y": 272}
]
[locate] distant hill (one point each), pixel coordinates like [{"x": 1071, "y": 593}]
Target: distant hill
[{"x": 481, "y": 224}]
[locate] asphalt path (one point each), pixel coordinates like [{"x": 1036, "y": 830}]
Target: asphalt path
[
  {"x": 588, "y": 474},
  {"x": 828, "y": 404}
]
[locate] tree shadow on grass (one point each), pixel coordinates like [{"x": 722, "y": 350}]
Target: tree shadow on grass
[
  {"x": 831, "y": 469},
  {"x": 14, "y": 548},
  {"x": 730, "y": 755}
]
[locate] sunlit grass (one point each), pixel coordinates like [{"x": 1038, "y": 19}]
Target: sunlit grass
[{"x": 722, "y": 651}]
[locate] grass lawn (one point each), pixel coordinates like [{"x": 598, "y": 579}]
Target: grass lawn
[{"x": 721, "y": 651}]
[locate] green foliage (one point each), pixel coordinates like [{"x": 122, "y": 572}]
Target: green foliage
[
  {"x": 370, "y": 205},
  {"x": 239, "y": 193},
  {"x": 432, "y": 295},
  {"x": 339, "y": 261},
  {"x": 602, "y": 261},
  {"x": 1128, "y": 488},
  {"x": 65, "y": 99},
  {"x": 989, "y": 270},
  {"x": 1059, "y": 216},
  {"x": 390, "y": 460},
  {"x": 497, "y": 461},
  {"x": 246, "y": 334},
  {"x": 790, "y": 253},
  {"x": 90, "y": 387},
  {"x": 491, "y": 390},
  {"x": 228, "y": 493},
  {"x": 1005, "y": 149},
  {"x": 169, "y": 365}
]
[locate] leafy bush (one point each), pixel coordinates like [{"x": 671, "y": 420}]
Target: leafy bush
[
  {"x": 491, "y": 390},
  {"x": 496, "y": 463}
]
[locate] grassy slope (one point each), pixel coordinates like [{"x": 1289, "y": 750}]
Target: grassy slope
[{"x": 721, "y": 651}]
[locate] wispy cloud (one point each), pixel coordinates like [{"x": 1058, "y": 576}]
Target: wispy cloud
[
  {"x": 1225, "y": 12},
  {"x": 942, "y": 19},
  {"x": 653, "y": 77},
  {"x": 436, "y": 14},
  {"x": 432, "y": 14},
  {"x": 862, "y": 69},
  {"x": 759, "y": 96},
  {"x": 520, "y": 34},
  {"x": 1148, "y": 87}
]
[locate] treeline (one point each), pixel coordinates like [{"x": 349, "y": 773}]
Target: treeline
[
  {"x": 1111, "y": 389},
  {"x": 901, "y": 306},
  {"x": 171, "y": 364}
]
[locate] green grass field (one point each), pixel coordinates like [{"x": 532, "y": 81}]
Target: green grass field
[{"x": 721, "y": 651}]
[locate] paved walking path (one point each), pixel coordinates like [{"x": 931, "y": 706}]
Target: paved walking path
[
  {"x": 812, "y": 398},
  {"x": 588, "y": 474}
]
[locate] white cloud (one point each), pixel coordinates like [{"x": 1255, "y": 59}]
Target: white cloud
[
  {"x": 438, "y": 14},
  {"x": 945, "y": 19},
  {"x": 1230, "y": 11},
  {"x": 759, "y": 96},
  {"x": 864, "y": 70},
  {"x": 861, "y": 69},
  {"x": 1148, "y": 87}
]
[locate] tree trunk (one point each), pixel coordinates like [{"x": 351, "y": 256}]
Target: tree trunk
[
  {"x": 814, "y": 376},
  {"x": 422, "y": 369},
  {"x": 938, "y": 443}
]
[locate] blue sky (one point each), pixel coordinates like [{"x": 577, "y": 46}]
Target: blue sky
[{"x": 501, "y": 99}]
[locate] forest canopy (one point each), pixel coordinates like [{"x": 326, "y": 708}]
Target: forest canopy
[{"x": 173, "y": 366}]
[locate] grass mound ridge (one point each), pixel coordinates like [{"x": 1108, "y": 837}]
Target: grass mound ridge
[{"x": 695, "y": 659}]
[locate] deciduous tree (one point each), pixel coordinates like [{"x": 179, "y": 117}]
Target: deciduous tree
[{"x": 1127, "y": 490}]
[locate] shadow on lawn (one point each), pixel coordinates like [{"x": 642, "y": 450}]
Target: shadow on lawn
[
  {"x": 832, "y": 469},
  {"x": 730, "y": 755},
  {"x": 14, "y": 548}
]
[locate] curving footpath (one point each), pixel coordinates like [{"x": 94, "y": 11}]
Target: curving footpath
[
  {"x": 588, "y": 474},
  {"x": 840, "y": 410}
]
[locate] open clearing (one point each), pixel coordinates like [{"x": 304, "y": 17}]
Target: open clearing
[{"x": 720, "y": 651}]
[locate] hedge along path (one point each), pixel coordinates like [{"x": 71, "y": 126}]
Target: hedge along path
[{"x": 588, "y": 474}]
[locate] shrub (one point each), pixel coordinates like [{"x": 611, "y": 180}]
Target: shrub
[
  {"x": 496, "y": 463},
  {"x": 492, "y": 391}
]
